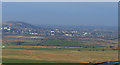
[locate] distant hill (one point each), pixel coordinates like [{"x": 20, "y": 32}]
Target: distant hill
[
  {"x": 18, "y": 24},
  {"x": 19, "y": 28}
]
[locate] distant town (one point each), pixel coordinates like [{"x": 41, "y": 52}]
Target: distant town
[{"x": 21, "y": 28}]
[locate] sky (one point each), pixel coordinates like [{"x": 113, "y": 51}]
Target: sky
[
  {"x": 62, "y": 13},
  {"x": 60, "y": 0}
]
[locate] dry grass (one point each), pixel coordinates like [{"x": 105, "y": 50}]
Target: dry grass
[{"x": 61, "y": 55}]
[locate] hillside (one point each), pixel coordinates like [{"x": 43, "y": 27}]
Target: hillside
[
  {"x": 18, "y": 24},
  {"x": 18, "y": 28}
]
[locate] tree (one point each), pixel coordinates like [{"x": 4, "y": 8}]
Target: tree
[
  {"x": 78, "y": 49},
  {"x": 103, "y": 49}
]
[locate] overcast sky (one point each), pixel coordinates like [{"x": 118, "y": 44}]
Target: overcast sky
[{"x": 62, "y": 13}]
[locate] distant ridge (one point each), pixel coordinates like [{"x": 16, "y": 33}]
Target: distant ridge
[{"x": 19, "y": 24}]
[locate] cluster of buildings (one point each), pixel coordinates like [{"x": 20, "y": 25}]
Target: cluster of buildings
[
  {"x": 56, "y": 32},
  {"x": 29, "y": 30}
]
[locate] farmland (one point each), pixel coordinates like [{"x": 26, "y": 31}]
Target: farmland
[
  {"x": 53, "y": 55},
  {"x": 20, "y": 49},
  {"x": 25, "y": 43},
  {"x": 37, "y": 41}
]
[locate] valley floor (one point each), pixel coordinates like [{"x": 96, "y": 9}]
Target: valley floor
[{"x": 42, "y": 54}]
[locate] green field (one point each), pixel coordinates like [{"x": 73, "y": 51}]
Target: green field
[
  {"x": 92, "y": 42},
  {"x": 27, "y": 50},
  {"x": 10, "y": 60}
]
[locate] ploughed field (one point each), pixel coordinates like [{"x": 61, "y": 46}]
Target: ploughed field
[{"x": 33, "y": 49}]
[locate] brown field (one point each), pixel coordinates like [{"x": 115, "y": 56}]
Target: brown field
[
  {"x": 23, "y": 37},
  {"x": 60, "y": 55}
]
